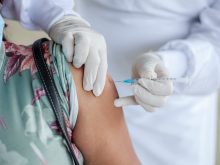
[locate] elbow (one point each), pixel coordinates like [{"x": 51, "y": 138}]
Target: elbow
[
  {"x": 215, "y": 85},
  {"x": 205, "y": 87},
  {"x": 211, "y": 81},
  {"x": 211, "y": 86},
  {"x": 204, "y": 84}
]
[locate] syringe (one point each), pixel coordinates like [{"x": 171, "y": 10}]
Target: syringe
[{"x": 131, "y": 81}]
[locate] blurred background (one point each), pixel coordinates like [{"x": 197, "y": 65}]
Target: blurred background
[
  {"x": 218, "y": 134},
  {"x": 25, "y": 37}
]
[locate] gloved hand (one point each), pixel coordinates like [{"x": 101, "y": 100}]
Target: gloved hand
[
  {"x": 147, "y": 92},
  {"x": 82, "y": 45}
]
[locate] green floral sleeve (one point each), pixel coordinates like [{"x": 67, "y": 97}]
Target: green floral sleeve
[{"x": 29, "y": 134}]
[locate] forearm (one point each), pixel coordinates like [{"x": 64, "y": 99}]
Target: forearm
[
  {"x": 201, "y": 62},
  {"x": 200, "y": 53},
  {"x": 101, "y": 133}
]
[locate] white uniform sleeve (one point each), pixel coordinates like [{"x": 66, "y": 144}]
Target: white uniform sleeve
[
  {"x": 198, "y": 56},
  {"x": 37, "y": 14}
]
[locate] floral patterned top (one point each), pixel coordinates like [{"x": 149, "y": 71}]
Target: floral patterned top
[{"x": 29, "y": 134}]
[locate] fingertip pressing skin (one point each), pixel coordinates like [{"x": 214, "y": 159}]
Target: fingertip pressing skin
[
  {"x": 100, "y": 79},
  {"x": 68, "y": 47},
  {"x": 125, "y": 101},
  {"x": 82, "y": 48},
  {"x": 90, "y": 70},
  {"x": 116, "y": 103}
]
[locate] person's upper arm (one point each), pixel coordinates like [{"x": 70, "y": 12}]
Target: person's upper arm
[
  {"x": 200, "y": 51},
  {"x": 101, "y": 133},
  {"x": 37, "y": 14}
]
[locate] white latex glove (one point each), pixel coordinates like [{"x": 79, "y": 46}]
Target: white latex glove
[
  {"x": 147, "y": 92},
  {"x": 82, "y": 45}
]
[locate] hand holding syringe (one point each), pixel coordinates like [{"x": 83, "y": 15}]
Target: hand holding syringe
[
  {"x": 151, "y": 85},
  {"x": 151, "y": 89}
]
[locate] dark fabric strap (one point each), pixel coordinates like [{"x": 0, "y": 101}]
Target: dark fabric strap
[{"x": 51, "y": 92}]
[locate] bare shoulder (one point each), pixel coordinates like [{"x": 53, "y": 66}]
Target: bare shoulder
[{"x": 101, "y": 133}]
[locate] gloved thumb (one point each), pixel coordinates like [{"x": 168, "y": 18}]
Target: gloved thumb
[
  {"x": 68, "y": 46},
  {"x": 124, "y": 101},
  {"x": 144, "y": 66},
  {"x": 148, "y": 73}
]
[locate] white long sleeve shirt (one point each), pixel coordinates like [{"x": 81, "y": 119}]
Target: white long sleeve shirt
[{"x": 37, "y": 14}]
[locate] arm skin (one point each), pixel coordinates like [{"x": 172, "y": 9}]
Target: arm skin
[{"x": 101, "y": 133}]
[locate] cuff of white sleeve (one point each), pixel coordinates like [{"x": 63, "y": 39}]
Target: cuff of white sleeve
[
  {"x": 55, "y": 18},
  {"x": 175, "y": 61}
]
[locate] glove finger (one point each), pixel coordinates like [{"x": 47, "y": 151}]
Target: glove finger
[
  {"x": 146, "y": 107},
  {"x": 125, "y": 101},
  {"x": 161, "y": 88},
  {"x": 81, "y": 50},
  {"x": 148, "y": 72},
  {"x": 161, "y": 71},
  {"x": 101, "y": 75},
  {"x": 163, "y": 75},
  {"x": 68, "y": 47},
  {"x": 146, "y": 67},
  {"x": 146, "y": 97},
  {"x": 90, "y": 70}
]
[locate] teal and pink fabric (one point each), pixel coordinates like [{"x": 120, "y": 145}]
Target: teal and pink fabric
[{"x": 29, "y": 134}]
